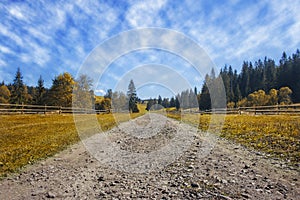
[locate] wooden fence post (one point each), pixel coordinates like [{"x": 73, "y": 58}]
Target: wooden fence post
[
  {"x": 22, "y": 108},
  {"x": 45, "y": 109}
]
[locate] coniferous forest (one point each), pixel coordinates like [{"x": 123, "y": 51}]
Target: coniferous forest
[
  {"x": 263, "y": 75},
  {"x": 259, "y": 83},
  {"x": 263, "y": 82}
]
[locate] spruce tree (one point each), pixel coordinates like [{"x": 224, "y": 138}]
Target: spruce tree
[
  {"x": 19, "y": 93},
  {"x": 132, "y": 98},
  {"x": 40, "y": 91}
]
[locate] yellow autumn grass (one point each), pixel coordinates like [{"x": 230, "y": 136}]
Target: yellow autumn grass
[
  {"x": 277, "y": 135},
  {"x": 25, "y": 139}
]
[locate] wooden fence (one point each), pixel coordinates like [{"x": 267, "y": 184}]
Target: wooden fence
[
  {"x": 39, "y": 109},
  {"x": 293, "y": 109}
]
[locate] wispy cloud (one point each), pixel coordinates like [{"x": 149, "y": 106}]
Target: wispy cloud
[
  {"x": 145, "y": 13},
  {"x": 16, "y": 12},
  {"x": 6, "y": 50},
  {"x": 50, "y": 37},
  {"x": 2, "y": 63},
  {"x": 11, "y": 35}
]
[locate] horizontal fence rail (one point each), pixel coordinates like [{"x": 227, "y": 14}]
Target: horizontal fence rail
[
  {"x": 39, "y": 109},
  {"x": 293, "y": 109},
  {"x": 255, "y": 110}
]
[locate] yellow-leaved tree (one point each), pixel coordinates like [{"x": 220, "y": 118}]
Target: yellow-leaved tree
[
  {"x": 258, "y": 98},
  {"x": 4, "y": 94},
  {"x": 284, "y": 95},
  {"x": 273, "y": 97},
  {"x": 61, "y": 91}
]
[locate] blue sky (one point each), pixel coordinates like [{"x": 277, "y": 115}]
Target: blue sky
[{"x": 50, "y": 37}]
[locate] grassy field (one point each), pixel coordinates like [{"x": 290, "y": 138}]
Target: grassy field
[
  {"x": 25, "y": 139},
  {"x": 278, "y": 135}
]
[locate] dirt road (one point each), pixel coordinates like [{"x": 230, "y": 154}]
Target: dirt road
[{"x": 227, "y": 171}]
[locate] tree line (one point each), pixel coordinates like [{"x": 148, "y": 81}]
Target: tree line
[
  {"x": 258, "y": 84},
  {"x": 67, "y": 92}
]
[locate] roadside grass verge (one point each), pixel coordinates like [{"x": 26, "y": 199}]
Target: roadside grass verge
[
  {"x": 24, "y": 139},
  {"x": 277, "y": 135}
]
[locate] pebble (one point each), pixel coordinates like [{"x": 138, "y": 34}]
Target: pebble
[
  {"x": 50, "y": 195},
  {"x": 195, "y": 185}
]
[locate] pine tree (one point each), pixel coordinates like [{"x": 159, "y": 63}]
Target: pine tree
[
  {"x": 269, "y": 74},
  {"x": 149, "y": 104},
  {"x": 108, "y": 94},
  {"x": 177, "y": 103},
  {"x": 166, "y": 103},
  {"x": 205, "y": 101},
  {"x": 40, "y": 92},
  {"x": 172, "y": 102},
  {"x": 244, "y": 80},
  {"x": 19, "y": 93},
  {"x": 132, "y": 98},
  {"x": 159, "y": 101}
]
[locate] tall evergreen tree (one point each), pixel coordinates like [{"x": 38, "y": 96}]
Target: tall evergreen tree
[
  {"x": 108, "y": 94},
  {"x": 19, "y": 93},
  {"x": 177, "y": 103},
  {"x": 159, "y": 100},
  {"x": 245, "y": 79},
  {"x": 172, "y": 102},
  {"x": 150, "y": 103},
  {"x": 166, "y": 103},
  {"x": 205, "y": 101},
  {"x": 40, "y": 92},
  {"x": 132, "y": 97},
  {"x": 270, "y": 79}
]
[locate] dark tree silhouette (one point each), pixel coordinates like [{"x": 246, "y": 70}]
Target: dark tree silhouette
[{"x": 132, "y": 98}]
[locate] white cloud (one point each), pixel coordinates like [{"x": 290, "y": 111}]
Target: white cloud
[
  {"x": 145, "y": 13},
  {"x": 16, "y": 12},
  {"x": 14, "y": 37},
  {"x": 100, "y": 92},
  {"x": 38, "y": 34},
  {"x": 25, "y": 57},
  {"x": 60, "y": 35},
  {"x": 2, "y": 63},
  {"x": 5, "y": 49},
  {"x": 35, "y": 52}
]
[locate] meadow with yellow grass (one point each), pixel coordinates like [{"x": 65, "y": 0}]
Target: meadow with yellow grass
[
  {"x": 277, "y": 135},
  {"x": 25, "y": 139}
]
